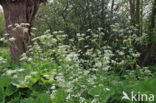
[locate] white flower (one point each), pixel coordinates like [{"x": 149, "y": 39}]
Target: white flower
[
  {"x": 2, "y": 60},
  {"x": 15, "y": 76},
  {"x": 89, "y": 30},
  {"x": 12, "y": 39},
  {"x": 80, "y": 39},
  {"x": 106, "y": 68},
  {"x": 71, "y": 40},
  {"x": 86, "y": 46},
  {"x": 83, "y": 34},
  {"x": 6, "y": 34},
  {"x": 33, "y": 73},
  {"x": 25, "y": 24},
  {"x": 2, "y": 39},
  {"x": 55, "y": 32},
  {"x": 98, "y": 64},
  {"x": 23, "y": 55},
  {"x": 25, "y": 30},
  {"x": 17, "y": 85},
  {"x": 86, "y": 72},
  {"x": 60, "y": 31},
  {"x": 23, "y": 58},
  {"x": 107, "y": 89},
  {"x": 27, "y": 77},
  {"x": 22, "y": 82},
  {"x": 147, "y": 71},
  {"x": 46, "y": 76},
  {"x": 53, "y": 94},
  {"x": 33, "y": 28},
  {"x": 69, "y": 90},
  {"x": 17, "y": 25},
  {"x": 100, "y": 28},
  {"x": 68, "y": 58},
  {"x": 29, "y": 59},
  {"x": 121, "y": 53},
  {"x": 136, "y": 54},
  {"x": 68, "y": 97},
  {"x": 87, "y": 37},
  {"x": 53, "y": 87},
  {"x": 95, "y": 100},
  {"x": 9, "y": 26},
  {"x": 20, "y": 70},
  {"x": 82, "y": 99},
  {"x": 78, "y": 34},
  {"x": 71, "y": 56},
  {"x": 9, "y": 72},
  {"x": 122, "y": 62},
  {"x": 91, "y": 80}
]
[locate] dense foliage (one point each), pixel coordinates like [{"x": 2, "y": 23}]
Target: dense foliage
[
  {"x": 53, "y": 70},
  {"x": 83, "y": 52}
]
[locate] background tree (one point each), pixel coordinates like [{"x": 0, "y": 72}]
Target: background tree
[
  {"x": 77, "y": 16},
  {"x": 17, "y": 12},
  {"x": 151, "y": 47}
]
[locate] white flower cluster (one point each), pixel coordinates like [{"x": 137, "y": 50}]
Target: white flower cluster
[
  {"x": 2, "y": 60},
  {"x": 12, "y": 39},
  {"x": 78, "y": 69}
]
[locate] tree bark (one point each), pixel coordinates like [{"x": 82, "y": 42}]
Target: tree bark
[
  {"x": 132, "y": 11},
  {"x": 141, "y": 17},
  {"x": 17, "y": 12},
  {"x": 138, "y": 16},
  {"x": 112, "y": 8},
  {"x": 147, "y": 56}
]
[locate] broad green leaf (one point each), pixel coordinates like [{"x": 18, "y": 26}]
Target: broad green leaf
[
  {"x": 43, "y": 98},
  {"x": 4, "y": 81},
  {"x": 15, "y": 100},
  {"x": 2, "y": 95},
  {"x": 27, "y": 100},
  {"x": 10, "y": 90},
  {"x": 95, "y": 91}
]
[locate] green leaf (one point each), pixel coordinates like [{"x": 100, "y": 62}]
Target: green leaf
[
  {"x": 60, "y": 96},
  {"x": 2, "y": 95},
  {"x": 15, "y": 100},
  {"x": 27, "y": 100},
  {"x": 95, "y": 91},
  {"x": 147, "y": 86},
  {"x": 4, "y": 81},
  {"x": 43, "y": 98},
  {"x": 10, "y": 90}
]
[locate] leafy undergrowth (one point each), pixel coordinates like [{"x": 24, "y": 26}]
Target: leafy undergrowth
[{"x": 55, "y": 70}]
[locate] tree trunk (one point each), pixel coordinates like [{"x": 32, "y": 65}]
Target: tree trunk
[
  {"x": 138, "y": 16},
  {"x": 17, "y": 12},
  {"x": 112, "y": 9},
  {"x": 103, "y": 16},
  {"x": 141, "y": 17},
  {"x": 147, "y": 57},
  {"x": 132, "y": 11}
]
